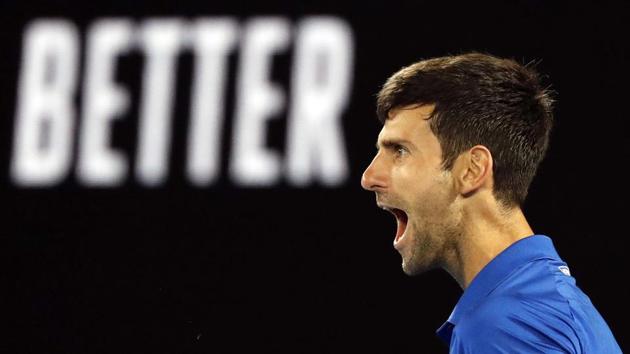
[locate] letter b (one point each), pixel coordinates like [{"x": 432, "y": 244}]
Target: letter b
[{"x": 45, "y": 114}]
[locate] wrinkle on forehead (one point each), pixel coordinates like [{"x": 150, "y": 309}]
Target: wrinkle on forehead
[
  {"x": 428, "y": 107},
  {"x": 409, "y": 123}
]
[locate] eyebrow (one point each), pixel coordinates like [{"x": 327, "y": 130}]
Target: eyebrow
[{"x": 392, "y": 142}]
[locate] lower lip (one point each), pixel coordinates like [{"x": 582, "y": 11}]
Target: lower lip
[{"x": 398, "y": 241}]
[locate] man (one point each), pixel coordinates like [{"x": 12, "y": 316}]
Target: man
[{"x": 462, "y": 138}]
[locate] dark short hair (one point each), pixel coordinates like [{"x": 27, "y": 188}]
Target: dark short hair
[{"x": 480, "y": 100}]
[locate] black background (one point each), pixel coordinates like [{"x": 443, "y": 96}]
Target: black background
[{"x": 224, "y": 269}]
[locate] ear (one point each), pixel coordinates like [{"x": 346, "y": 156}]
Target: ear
[{"x": 473, "y": 170}]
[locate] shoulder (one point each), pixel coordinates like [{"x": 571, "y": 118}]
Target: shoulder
[{"x": 508, "y": 323}]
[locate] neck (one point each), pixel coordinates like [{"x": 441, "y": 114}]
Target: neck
[{"x": 486, "y": 233}]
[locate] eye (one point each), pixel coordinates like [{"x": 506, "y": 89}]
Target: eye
[{"x": 400, "y": 150}]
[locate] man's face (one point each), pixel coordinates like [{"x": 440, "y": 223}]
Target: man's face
[{"x": 408, "y": 180}]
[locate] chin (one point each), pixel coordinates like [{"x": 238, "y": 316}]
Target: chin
[
  {"x": 407, "y": 271},
  {"x": 412, "y": 268},
  {"x": 411, "y": 271}
]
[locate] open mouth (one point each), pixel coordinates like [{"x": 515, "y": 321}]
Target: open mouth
[{"x": 401, "y": 222}]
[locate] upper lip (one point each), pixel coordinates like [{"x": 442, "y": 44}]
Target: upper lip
[{"x": 387, "y": 207}]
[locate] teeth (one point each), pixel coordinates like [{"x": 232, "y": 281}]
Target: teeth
[{"x": 393, "y": 211}]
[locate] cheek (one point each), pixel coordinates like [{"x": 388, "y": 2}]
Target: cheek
[
  {"x": 422, "y": 186},
  {"x": 432, "y": 199},
  {"x": 412, "y": 181}
]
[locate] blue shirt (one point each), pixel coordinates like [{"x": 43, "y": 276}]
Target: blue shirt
[{"x": 526, "y": 301}]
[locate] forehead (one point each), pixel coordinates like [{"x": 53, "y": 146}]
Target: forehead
[{"x": 410, "y": 124}]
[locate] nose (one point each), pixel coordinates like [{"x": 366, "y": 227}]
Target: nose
[{"x": 374, "y": 177}]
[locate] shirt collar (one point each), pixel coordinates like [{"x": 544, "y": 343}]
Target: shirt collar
[{"x": 522, "y": 251}]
